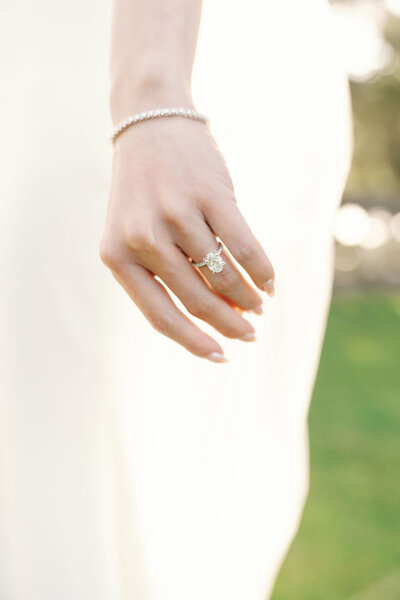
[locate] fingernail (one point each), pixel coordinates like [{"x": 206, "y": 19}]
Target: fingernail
[
  {"x": 269, "y": 287},
  {"x": 248, "y": 337},
  {"x": 258, "y": 309},
  {"x": 217, "y": 357}
]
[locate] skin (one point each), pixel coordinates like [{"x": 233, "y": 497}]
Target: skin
[{"x": 171, "y": 193}]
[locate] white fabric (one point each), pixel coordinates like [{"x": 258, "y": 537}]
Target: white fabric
[{"x": 130, "y": 469}]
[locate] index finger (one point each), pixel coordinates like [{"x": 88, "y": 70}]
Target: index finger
[{"x": 153, "y": 300}]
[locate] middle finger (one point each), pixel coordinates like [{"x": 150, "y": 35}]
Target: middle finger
[{"x": 174, "y": 269}]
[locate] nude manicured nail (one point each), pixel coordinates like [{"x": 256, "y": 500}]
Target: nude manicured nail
[
  {"x": 248, "y": 337},
  {"x": 217, "y": 357},
  {"x": 269, "y": 287},
  {"x": 258, "y": 310}
]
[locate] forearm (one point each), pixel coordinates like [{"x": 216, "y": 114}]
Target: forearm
[{"x": 153, "y": 44}]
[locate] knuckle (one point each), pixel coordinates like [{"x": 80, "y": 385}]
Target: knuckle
[
  {"x": 110, "y": 252},
  {"x": 245, "y": 251},
  {"x": 176, "y": 215},
  {"x": 200, "y": 308},
  {"x": 162, "y": 322},
  {"x": 206, "y": 202},
  {"x": 140, "y": 237},
  {"x": 210, "y": 201}
]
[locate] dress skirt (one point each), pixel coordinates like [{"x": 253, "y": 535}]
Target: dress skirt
[{"x": 129, "y": 468}]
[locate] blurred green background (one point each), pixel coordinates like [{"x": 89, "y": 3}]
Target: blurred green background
[
  {"x": 348, "y": 544},
  {"x": 349, "y": 538}
]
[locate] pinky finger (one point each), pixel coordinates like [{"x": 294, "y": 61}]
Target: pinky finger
[{"x": 153, "y": 300}]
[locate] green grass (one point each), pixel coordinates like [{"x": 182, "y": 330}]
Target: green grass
[{"x": 348, "y": 544}]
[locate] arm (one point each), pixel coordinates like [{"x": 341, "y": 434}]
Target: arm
[
  {"x": 152, "y": 49},
  {"x": 171, "y": 193}
]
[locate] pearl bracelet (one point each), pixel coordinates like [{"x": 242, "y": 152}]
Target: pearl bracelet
[{"x": 154, "y": 114}]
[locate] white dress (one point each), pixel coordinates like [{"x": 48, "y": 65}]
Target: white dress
[{"x": 130, "y": 469}]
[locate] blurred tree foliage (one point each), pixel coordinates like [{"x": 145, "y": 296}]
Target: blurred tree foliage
[{"x": 376, "y": 110}]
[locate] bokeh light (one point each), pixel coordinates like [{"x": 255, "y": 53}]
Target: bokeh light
[
  {"x": 394, "y": 226},
  {"x": 351, "y": 224},
  {"x": 378, "y": 229},
  {"x": 393, "y": 6},
  {"x": 363, "y": 47}
]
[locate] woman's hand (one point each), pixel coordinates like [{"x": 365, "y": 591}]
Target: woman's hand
[{"x": 171, "y": 194}]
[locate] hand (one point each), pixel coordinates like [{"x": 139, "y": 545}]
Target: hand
[{"x": 171, "y": 194}]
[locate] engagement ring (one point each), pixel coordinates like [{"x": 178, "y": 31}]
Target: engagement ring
[{"x": 213, "y": 260}]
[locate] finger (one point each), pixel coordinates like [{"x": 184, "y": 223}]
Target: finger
[
  {"x": 175, "y": 270},
  {"x": 151, "y": 297},
  {"x": 196, "y": 241},
  {"x": 226, "y": 220}
]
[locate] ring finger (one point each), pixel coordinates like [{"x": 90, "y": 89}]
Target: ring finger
[{"x": 229, "y": 282}]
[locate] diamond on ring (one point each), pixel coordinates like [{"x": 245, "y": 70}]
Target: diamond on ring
[{"x": 213, "y": 260}]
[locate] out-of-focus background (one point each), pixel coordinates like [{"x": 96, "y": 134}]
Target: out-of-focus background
[{"x": 348, "y": 545}]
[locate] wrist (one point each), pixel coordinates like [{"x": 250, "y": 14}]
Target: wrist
[{"x": 133, "y": 94}]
